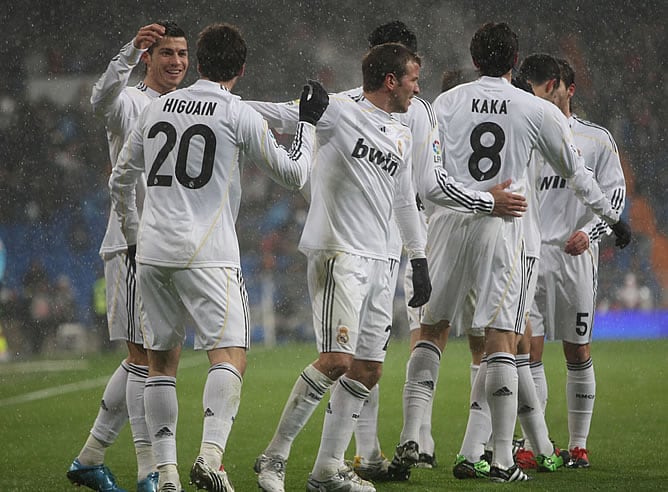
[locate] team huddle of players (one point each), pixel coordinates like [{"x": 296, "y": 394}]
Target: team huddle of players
[{"x": 513, "y": 194}]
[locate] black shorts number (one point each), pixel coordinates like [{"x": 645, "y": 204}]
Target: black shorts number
[
  {"x": 482, "y": 152},
  {"x": 181, "y": 171},
  {"x": 581, "y": 325}
]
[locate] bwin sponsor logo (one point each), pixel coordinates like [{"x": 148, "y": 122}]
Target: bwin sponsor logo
[
  {"x": 387, "y": 162},
  {"x": 585, "y": 396}
]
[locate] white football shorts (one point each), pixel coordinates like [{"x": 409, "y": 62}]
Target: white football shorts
[
  {"x": 565, "y": 297},
  {"x": 123, "y": 316},
  {"x": 479, "y": 255},
  {"x": 342, "y": 288},
  {"x": 215, "y": 299}
]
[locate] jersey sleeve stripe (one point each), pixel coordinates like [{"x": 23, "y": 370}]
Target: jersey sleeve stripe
[{"x": 460, "y": 197}]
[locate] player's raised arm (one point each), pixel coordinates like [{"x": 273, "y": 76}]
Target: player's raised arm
[{"x": 288, "y": 168}]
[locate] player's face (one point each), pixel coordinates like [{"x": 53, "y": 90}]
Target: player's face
[
  {"x": 545, "y": 91},
  {"x": 562, "y": 97},
  {"x": 167, "y": 64},
  {"x": 406, "y": 88}
]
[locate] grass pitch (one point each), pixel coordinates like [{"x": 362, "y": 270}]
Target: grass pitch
[{"x": 48, "y": 407}]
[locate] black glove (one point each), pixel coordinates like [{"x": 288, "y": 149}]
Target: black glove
[
  {"x": 132, "y": 252},
  {"x": 311, "y": 108},
  {"x": 622, "y": 234},
  {"x": 421, "y": 282}
]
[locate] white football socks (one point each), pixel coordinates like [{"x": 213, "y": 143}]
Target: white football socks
[
  {"x": 367, "y": 445},
  {"x": 539, "y": 379},
  {"x": 501, "y": 393},
  {"x": 479, "y": 425},
  {"x": 580, "y": 395},
  {"x": 529, "y": 410},
  {"x": 162, "y": 412},
  {"x": 421, "y": 377},
  {"x": 343, "y": 410},
  {"x": 308, "y": 390},
  {"x": 111, "y": 417},
  {"x": 136, "y": 412},
  {"x": 222, "y": 394}
]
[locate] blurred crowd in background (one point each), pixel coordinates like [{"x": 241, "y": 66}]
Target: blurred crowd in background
[{"x": 54, "y": 162}]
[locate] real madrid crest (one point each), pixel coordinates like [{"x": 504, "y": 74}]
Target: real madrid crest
[{"x": 342, "y": 336}]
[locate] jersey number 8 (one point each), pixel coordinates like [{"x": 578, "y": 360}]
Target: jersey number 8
[{"x": 491, "y": 152}]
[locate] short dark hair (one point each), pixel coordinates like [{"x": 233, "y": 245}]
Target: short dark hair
[
  {"x": 494, "y": 49},
  {"x": 221, "y": 52},
  {"x": 384, "y": 59},
  {"x": 566, "y": 71},
  {"x": 172, "y": 30},
  {"x": 452, "y": 78},
  {"x": 393, "y": 32},
  {"x": 538, "y": 68}
]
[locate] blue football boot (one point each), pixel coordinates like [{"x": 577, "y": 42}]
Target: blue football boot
[
  {"x": 149, "y": 484},
  {"x": 96, "y": 477}
]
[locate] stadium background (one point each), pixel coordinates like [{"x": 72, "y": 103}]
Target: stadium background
[{"x": 54, "y": 162}]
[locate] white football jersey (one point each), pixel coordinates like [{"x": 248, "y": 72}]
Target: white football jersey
[
  {"x": 430, "y": 180},
  {"x": 119, "y": 106},
  {"x": 489, "y": 130},
  {"x": 190, "y": 143},
  {"x": 361, "y": 174},
  {"x": 532, "y": 217},
  {"x": 561, "y": 214}
]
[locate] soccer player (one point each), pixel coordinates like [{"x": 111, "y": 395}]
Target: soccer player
[
  {"x": 191, "y": 144},
  {"x": 488, "y": 131},
  {"x": 369, "y": 462},
  {"x": 163, "y": 49},
  {"x": 360, "y": 180},
  {"x": 540, "y": 75},
  {"x": 565, "y": 300}
]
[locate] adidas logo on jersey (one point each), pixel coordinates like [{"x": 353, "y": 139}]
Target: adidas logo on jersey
[
  {"x": 103, "y": 406},
  {"x": 208, "y": 413},
  {"x": 504, "y": 391},
  {"x": 475, "y": 406},
  {"x": 387, "y": 162}
]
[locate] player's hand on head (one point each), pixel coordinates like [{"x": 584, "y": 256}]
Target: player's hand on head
[
  {"x": 132, "y": 253},
  {"x": 313, "y": 102},
  {"x": 623, "y": 234},
  {"x": 421, "y": 282},
  {"x": 148, "y": 35},
  {"x": 577, "y": 244},
  {"x": 507, "y": 203}
]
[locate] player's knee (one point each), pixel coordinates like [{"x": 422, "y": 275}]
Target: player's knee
[
  {"x": 576, "y": 354},
  {"x": 333, "y": 364}
]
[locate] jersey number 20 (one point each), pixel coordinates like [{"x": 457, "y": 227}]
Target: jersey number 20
[
  {"x": 481, "y": 151},
  {"x": 181, "y": 171}
]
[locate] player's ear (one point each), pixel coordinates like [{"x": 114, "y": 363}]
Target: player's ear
[
  {"x": 390, "y": 81},
  {"x": 242, "y": 71}
]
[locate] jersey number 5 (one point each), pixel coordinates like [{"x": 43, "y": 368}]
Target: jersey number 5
[
  {"x": 491, "y": 152},
  {"x": 181, "y": 171}
]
